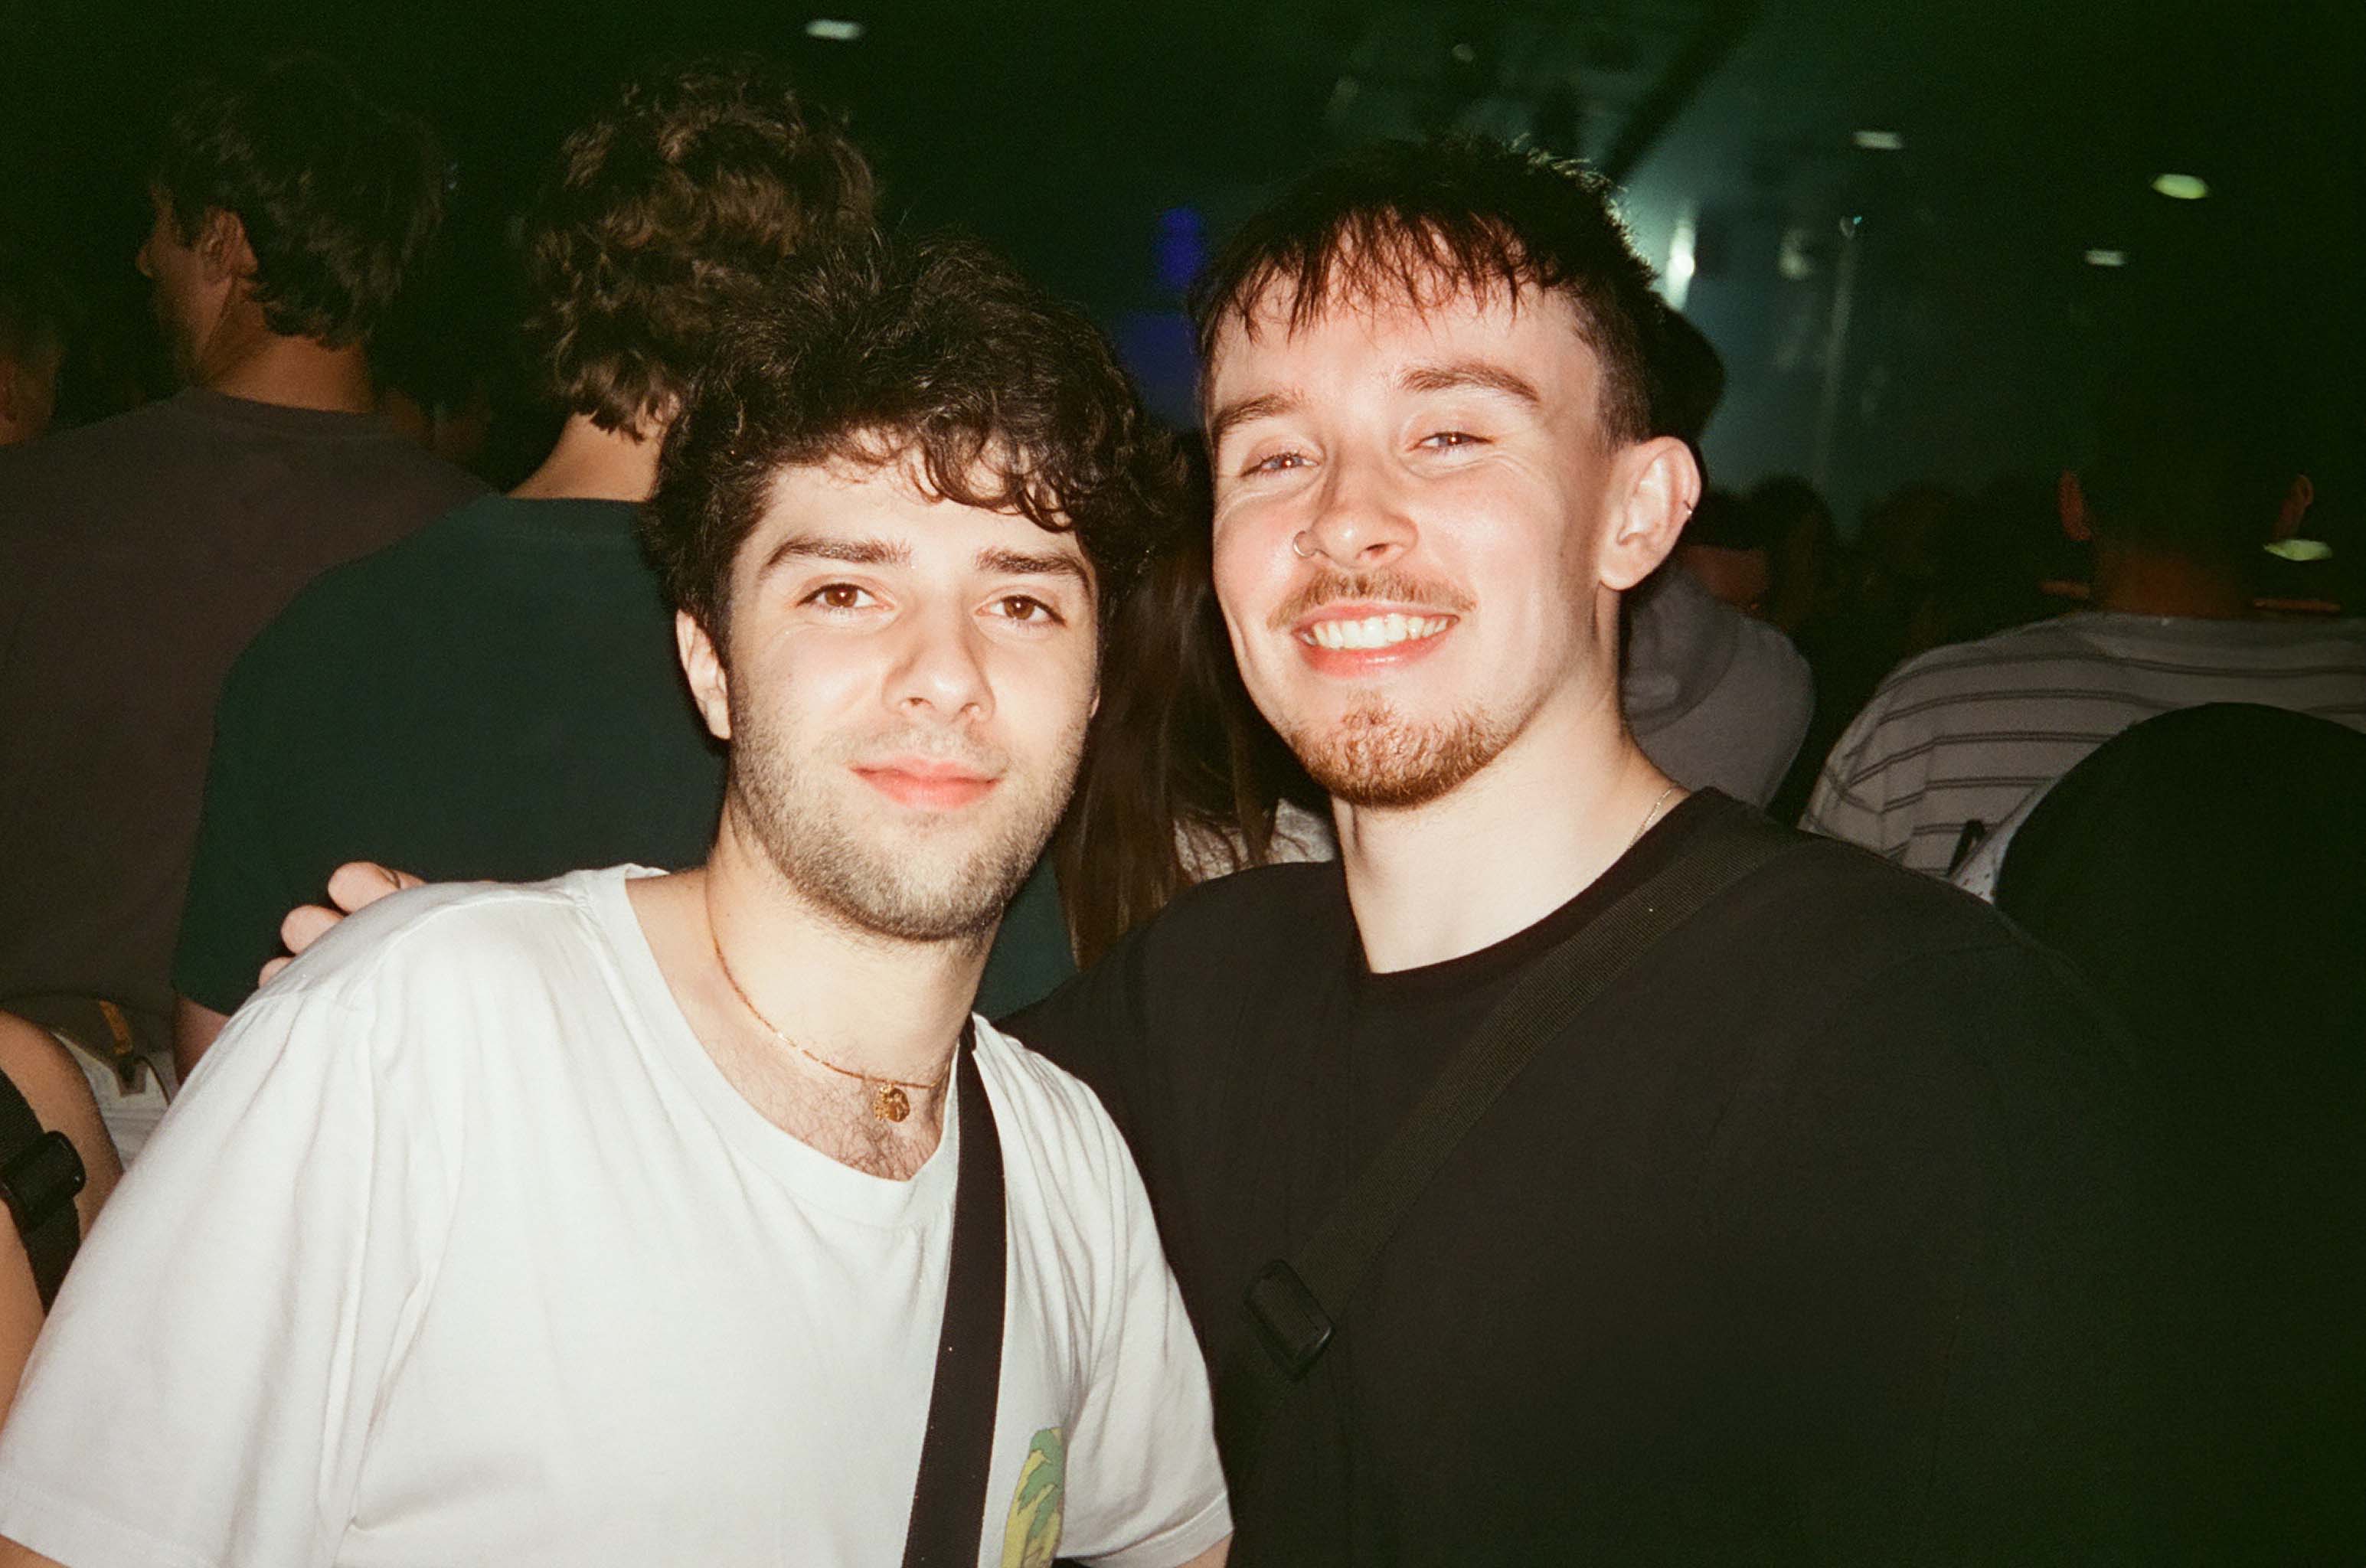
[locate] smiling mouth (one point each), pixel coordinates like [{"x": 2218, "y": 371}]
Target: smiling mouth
[{"x": 1373, "y": 631}]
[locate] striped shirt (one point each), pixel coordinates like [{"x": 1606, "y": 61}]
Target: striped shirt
[{"x": 1965, "y": 734}]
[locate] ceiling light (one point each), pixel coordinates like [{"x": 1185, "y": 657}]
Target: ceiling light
[
  {"x": 1878, "y": 140},
  {"x": 2107, "y": 258},
  {"x": 833, "y": 29},
  {"x": 2181, "y": 187}
]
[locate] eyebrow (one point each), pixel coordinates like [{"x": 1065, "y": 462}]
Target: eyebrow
[
  {"x": 887, "y": 552},
  {"x": 1023, "y": 563},
  {"x": 853, "y": 552},
  {"x": 1240, "y": 411},
  {"x": 1451, "y": 374}
]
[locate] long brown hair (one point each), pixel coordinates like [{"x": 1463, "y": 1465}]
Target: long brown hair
[{"x": 1177, "y": 750}]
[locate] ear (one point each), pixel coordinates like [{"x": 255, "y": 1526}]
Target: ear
[
  {"x": 1661, "y": 484},
  {"x": 222, "y": 246},
  {"x": 2295, "y": 509},
  {"x": 702, "y": 663},
  {"x": 2070, "y": 500}
]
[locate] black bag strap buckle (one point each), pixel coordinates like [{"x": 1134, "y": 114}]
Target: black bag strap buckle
[
  {"x": 1290, "y": 1323},
  {"x": 41, "y": 1178}
]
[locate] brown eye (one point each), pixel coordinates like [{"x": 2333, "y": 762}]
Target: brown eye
[{"x": 838, "y": 596}]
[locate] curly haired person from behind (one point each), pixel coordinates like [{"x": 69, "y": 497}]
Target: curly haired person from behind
[
  {"x": 496, "y": 697},
  {"x": 138, "y": 555},
  {"x": 613, "y": 1219}
]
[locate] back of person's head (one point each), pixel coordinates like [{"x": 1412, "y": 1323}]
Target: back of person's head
[
  {"x": 338, "y": 196},
  {"x": 1431, "y": 222},
  {"x": 2204, "y": 869},
  {"x": 673, "y": 205},
  {"x": 36, "y": 318},
  {"x": 936, "y": 357},
  {"x": 2193, "y": 466}
]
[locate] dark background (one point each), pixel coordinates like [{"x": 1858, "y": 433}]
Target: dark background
[{"x": 1105, "y": 144}]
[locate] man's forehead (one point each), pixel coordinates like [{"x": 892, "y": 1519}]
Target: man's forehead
[
  {"x": 892, "y": 500},
  {"x": 1535, "y": 333}
]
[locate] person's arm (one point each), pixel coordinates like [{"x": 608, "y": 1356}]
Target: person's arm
[
  {"x": 232, "y": 1323},
  {"x": 46, "y": 1074}
]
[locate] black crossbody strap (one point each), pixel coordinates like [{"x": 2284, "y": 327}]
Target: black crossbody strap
[
  {"x": 40, "y": 1176},
  {"x": 949, "y": 1497},
  {"x": 1294, "y": 1304}
]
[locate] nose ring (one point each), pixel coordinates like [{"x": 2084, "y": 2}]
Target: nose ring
[{"x": 1298, "y": 543}]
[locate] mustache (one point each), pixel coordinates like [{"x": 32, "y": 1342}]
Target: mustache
[
  {"x": 1329, "y": 585},
  {"x": 930, "y": 744}
]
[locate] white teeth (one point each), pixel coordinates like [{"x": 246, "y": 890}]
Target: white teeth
[{"x": 1376, "y": 631}]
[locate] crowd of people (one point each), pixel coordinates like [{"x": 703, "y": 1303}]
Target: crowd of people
[{"x": 890, "y": 958}]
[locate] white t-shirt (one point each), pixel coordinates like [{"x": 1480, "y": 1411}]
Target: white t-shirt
[{"x": 459, "y": 1249}]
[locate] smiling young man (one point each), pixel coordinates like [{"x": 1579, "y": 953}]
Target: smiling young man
[
  {"x": 607, "y": 1220},
  {"x": 1801, "y": 1241}
]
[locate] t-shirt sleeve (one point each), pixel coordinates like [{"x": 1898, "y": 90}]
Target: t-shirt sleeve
[
  {"x": 1853, "y": 793},
  {"x": 203, "y": 1390},
  {"x": 1958, "y": 1291},
  {"x": 1146, "y": 1489},
  {"x": 240, "y": 888}
]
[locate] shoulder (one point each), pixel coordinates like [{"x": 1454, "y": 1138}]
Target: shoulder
[
  {"x": 446, "y": 934},
  {"x": 1984, "y": 662},
  {"x": 1887, "y": 953}
]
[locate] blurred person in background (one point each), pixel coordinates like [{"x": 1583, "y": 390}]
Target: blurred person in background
[
  {"x": 2202, "y": 871},
  {"x": 495, "y": 697},
  {"x": 2189, "y": 483},
  {"x": 35, "y": 316},
  {"x": 139, "y": 553},
  {"x": 1726, "y": 548},
  {"x": 1803, "y": 550}
]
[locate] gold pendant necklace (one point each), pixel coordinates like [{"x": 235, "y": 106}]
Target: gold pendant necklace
[{"x": 888, "y": 1100}]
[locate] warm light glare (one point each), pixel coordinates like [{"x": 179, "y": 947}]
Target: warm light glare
[
  {"x": 1879, "y": 141},
  {"x": 2181, "y": 187},
  {"x": 833, "y": 29},
  {"x": 2107, "y": 258},
  {"x": 2301, "y": 549}
]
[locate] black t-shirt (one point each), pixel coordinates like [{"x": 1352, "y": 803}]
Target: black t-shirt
[
  {"x": 138, "y": 555},
  {"x": 495, "y": 697},
  {"x": 1807, "y": 1242}
]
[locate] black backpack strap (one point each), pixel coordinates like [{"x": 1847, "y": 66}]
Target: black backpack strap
[
  {"x": 40, "y": 1176},
  {"x": 949, "y": 1498},
  {"x": 1293, "y": 1304}
]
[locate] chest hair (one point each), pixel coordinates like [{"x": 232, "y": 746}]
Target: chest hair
[{"x": 832, "y": 1114}]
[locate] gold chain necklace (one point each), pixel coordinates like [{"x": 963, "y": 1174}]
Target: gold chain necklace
[{"x": 888, "y": 1100}]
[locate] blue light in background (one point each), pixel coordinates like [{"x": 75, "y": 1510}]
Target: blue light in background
[{"x": 1181, "y": 248}]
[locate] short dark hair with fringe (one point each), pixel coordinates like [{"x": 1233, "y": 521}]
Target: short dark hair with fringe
[
  {"x": 339, "y": 197},
  {"x": 935, "y": 354},
  {"x": 673, "y": 206},
  {"x": 1433, "y": 221}
]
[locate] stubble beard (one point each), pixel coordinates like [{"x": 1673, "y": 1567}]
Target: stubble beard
[
  {"x": 919, "y": 886},
  {"x": 1372, "y": 756}
]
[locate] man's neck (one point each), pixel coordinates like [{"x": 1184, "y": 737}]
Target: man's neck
[
  {"x": 290, "y": 372},
  {"x": 592, "y": 463},
  {"x": 1516, "y": 840},
  {"x": 2142, "y": 583},
  {"x": 876, "y": 1006}
]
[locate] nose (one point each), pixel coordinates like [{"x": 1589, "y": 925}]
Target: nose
[
  {"x": 941, "y": 671},
  {"x": 1361, "y": 523}
]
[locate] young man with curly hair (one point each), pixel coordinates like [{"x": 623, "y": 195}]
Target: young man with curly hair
[
  {"x": 496, "y": 697},
  {"x": 140, "y": 554},
  {"x": 608, "y": 1220}
]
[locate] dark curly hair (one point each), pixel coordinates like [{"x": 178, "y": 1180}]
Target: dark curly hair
[
  {"x": 935, "y": 353},
  {"x": 339, "y": 197},
  {"x": 1427, "y": 220},
  {"x": 675, "y": 204}
]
